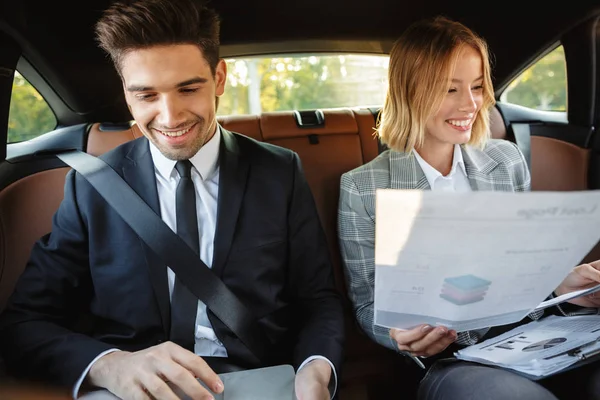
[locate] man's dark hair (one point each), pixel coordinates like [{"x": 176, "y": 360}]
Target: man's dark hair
[{"x": 130, "y": 25}]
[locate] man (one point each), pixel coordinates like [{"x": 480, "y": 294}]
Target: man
[{"x": 254, "y": 223}]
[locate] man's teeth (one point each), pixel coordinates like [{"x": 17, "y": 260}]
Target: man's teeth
[
  {"x": 465, "y": 122},
  {"x": 176, "y": 133}
]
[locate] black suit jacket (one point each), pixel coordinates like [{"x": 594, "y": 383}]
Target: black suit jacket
[{"x": 269, "y": 249}]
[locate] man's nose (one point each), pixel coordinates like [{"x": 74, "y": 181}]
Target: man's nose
[{"x": 170, "y": 112}]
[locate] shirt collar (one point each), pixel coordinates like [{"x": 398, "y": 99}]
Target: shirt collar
[
  {"x": 432, "y": 174},
  {"x": 205, "y": 160}
]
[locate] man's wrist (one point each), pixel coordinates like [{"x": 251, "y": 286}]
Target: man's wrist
[
  {"x": 101, "y": 368},
  {"x": 321, "y": 370}
]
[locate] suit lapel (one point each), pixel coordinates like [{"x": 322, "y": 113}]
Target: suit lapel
[
  {"x": 480, "y": 168},
  {"x": 405, "y": 172},
  {"x": 138, "y": 172},
  {"x": 233, "y": 175}
]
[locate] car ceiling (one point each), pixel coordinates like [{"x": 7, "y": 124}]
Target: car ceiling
[{"x": 57, "y": 36}]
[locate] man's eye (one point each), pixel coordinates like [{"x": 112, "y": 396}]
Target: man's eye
[
  {"x": 189, "y": 90},
  {"x": 145, "y": 97}
]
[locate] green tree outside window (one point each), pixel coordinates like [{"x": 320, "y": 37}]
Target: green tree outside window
[
  {"x": 29, "y": 115},
  {"x": 543, "y": 86},
  {"x": 303, "y": 82}
]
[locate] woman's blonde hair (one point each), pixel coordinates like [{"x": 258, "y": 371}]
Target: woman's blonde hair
[{"x": 422, "y": 61}]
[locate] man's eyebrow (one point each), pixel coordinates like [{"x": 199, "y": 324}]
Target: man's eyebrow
[
  {"x": 460, "y": 80},
  {"x": 191, "y": 82},
  {"x": 140, "y": 88}
]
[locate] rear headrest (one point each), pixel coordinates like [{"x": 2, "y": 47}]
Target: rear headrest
[
  {"x": 283, "y": 125},
  {"x": 248, "y": 125},
  {"x": 497, "y": 125},
  {"x": 103, "y": 138}
]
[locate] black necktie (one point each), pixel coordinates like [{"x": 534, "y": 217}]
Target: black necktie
[{"x": 183, "y": 303}]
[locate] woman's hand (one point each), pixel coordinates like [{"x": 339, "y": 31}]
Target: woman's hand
[{"x": 423, "y": 340}]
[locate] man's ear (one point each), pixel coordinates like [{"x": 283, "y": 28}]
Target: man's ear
[{"x": 220, "y": 77}]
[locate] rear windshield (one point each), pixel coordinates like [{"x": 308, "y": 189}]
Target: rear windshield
[{"x": 261, "y": 84}]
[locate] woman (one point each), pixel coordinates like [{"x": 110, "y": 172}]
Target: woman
[{"x": 435, "y": 122}]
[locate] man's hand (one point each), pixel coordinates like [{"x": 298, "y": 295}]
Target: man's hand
[
  {"x": 145, "y": 374},
  {"x": 583, "y": 276},
  {"x": 312, "y": 381},
  {"x": 423, "y": 340}
]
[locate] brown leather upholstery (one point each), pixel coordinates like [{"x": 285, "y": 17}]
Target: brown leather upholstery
[
  {"x": 323, "y": 162},
  {"x": 282, "y": 124},
  {"x": 26, "y": 210},
  {"x": 99, "y": 142},
  {"x": 249, "y": 125},
  {"x": 497, "y": 125},
  {"x": 27, "y": 207},
  {"x": 366, "y": 131},
  {"x": 340, "y": 146},
  {"x": 29, "y": 391},
  {"x": 558, "y": 165}
]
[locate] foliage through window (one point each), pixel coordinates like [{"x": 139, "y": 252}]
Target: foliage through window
[
  {"x": 542, "y": 86},
  {"x": 29, "y": 115},
  {"x": 256, "y": 85}
]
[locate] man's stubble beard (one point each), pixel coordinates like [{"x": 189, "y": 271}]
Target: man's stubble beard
[{"x": 185, "y": 153}]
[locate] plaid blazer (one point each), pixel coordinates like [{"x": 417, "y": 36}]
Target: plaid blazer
[{"x": 500, "y": 166}]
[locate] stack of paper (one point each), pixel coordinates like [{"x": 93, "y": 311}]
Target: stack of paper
[{"x": 539, "y": 348}]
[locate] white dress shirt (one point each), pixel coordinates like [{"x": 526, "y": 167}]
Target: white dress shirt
[
  {"x": 455, "y": 181},
  {"x": 205, "y": 175}
]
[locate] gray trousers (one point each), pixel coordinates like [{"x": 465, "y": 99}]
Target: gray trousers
[{"x": 448, "y": 380}]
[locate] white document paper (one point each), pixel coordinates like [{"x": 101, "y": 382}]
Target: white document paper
[
  {"x": 539, "y": 348},
  {"x": 478, "y": 259}
]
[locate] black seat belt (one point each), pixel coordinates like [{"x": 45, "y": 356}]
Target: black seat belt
[
  {"x": 171, "y": 249},
  {"x": 522, "y": 134}
]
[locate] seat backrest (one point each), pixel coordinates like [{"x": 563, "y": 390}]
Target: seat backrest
[
  {"x": 326, "y": 152},
  {"x": 26, "y": 209},
  {"x": 497, "y": 124},
  {"x": 28, "y": 204},
  {"x": 343, "y": 142},
  {"x": 558, "y": 165}
]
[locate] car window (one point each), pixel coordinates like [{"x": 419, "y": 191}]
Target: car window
[
  {"x": 301, "y": 82},
  {"x": 29, "y": 115},
  {"x": 543, "y": 86}
]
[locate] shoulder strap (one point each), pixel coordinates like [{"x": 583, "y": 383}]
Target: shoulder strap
[
  {"x": 523, "y": 138},
  {"x": 171, "y": 249}
]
